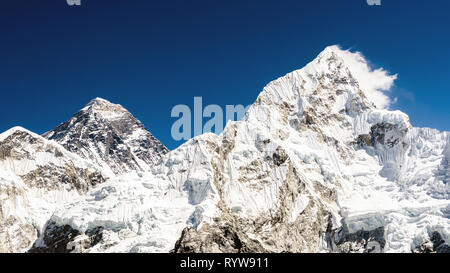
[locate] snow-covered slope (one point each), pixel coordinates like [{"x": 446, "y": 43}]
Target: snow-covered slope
[
  {"x": 316, "y": 165},
  {"x": 137, "y": 212},
  {"x": 36, "y": 175},
  {"x": 109, "y": 136}
]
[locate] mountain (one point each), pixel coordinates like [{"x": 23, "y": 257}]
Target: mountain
[
  {"x": 109, "y": 136},
  {"x": 36, "y": 176},
  {"x": 318, "y": 164}
]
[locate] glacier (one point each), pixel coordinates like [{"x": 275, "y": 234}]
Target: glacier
[{"x": 318, "y": 164}]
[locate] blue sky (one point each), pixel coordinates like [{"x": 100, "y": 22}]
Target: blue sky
[{"x": 152, "y": 55}]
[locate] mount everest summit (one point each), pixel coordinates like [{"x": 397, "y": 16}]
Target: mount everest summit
[
  {"x": 109, "y": 136},
  {"x": 317, "y": 165}
]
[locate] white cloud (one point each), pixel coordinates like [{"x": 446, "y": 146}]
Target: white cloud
[{"x": 373, "y": 82}]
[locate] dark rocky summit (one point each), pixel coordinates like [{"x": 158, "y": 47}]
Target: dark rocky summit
[{"x": 110, "y": 136}]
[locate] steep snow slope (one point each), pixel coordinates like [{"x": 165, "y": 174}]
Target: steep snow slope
[
  {"x": 109, "y": 136},
  {"x": 314, "y": 166},
  {"x": 136, "y": 212},
  {"x": 36, "y": 175}
]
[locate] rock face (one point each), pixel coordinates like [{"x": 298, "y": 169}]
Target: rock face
[
  {"x": 362, "y": 241},
  {"x": 65, "y": 239},
  {"x": 434, "y": 244},
  {"x": 315, "y": 166},
  {"x": 109, "y": 136},
  {"x": 44, "y": 165},
  {"x": 217, "y": 239}
]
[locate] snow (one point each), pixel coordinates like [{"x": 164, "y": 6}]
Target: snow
[
  {"x": 28, "y": 204},
  {"x": 151, "y": 214},
  {"x": 314, "y": 115},
  {"x": 374, "y": 82},
  {"x": 300, "y": 205}
]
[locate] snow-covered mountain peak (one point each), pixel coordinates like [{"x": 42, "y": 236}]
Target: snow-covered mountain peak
[
  {"x": 103, "y": 109},
  {"x": 36, "y": 175},
  {"x": 98, "y": 100},
  {"x": 375, "y": 83},
  {"x": 316, "y": 159},
  {"x": 36, "y": 159},
  {"x": 317, "y": 165},
  {"x": 110, "y": 136},
  {"x": 337, "y": 94},
  {"x": 332, "y": 73},
  {"x": 14, "y": 130}
]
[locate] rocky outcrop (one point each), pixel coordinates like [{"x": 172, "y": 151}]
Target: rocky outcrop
[
  {"x": 387, "y": 134},
  {"x": 434, "y": 244},
  {"x": 216, "y": 239},
  {"x": 362, "y": 241},
  {"x": 16, "y": 235},
  {"x": 384, "y": 134},
  {"x": 65, "y": 239},
  {"x": 297, "y": 215}
]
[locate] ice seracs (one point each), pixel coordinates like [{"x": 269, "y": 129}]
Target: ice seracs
[
  {"x": 318, "y": 164},
  {"x": 315, "y": 160}
]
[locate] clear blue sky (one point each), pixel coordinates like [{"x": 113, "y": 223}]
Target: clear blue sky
[{"x": 151, "y": 55}]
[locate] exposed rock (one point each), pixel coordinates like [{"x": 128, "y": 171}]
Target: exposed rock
[
  {"x": 434, "y": 244},
  {"x": 444, "y": 248},
  {"x": 362, "y": 241},
  {"x": 279, "y": 157},
  {"x": 57, "y": 170},
  {"x": 387, "y": 134},
  {"x": 65, "y": 239},
  {"x": 232, "y": 233},
  {"x": 364, "y": 140},
  {"x": 284, "y": 179},
  {"x": 15, "y": 234},
  {"x": 223, "y": 239},
  {"x": 55, "y": 239},
  {"x": 111, "y": 137}
]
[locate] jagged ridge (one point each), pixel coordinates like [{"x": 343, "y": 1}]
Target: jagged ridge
[
  {"x": 315, "y": 166},
  {"x": 108, "y": 135}
]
